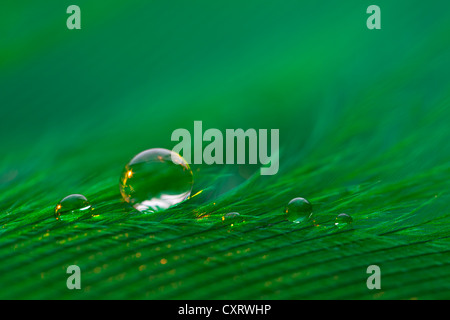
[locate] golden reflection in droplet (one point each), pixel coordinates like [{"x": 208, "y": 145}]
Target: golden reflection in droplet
[
  {"x": 196, "y": 194},
  {"x": 129, "y": 173}
]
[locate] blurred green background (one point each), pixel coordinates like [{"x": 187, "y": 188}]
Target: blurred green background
[{"x": 363, "y": 118}]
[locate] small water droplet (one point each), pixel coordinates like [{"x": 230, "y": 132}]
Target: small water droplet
[
  {"x": 155, "y": 180},
  {"x": 232, "y": 218},
  {"x": 298, "y": 210},
  {"x": 343, "y": 220},
  {"x": 72, "y": 207}
]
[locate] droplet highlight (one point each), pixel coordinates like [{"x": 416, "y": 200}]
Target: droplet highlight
[
  {"x": 72, "y": 207},
  {"x": 155, "y": 180},
  {"x": 298, "y": 210}
]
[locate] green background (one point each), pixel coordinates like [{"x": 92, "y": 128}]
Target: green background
[{"x": 363, "y": 118}]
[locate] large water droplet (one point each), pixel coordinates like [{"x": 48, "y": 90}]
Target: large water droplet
[
  {"x": 72, "y": 207},
  {"x": 343, "y": 220},
  {"x": 156, "y": 179},
  {"x": 298, "y": 210}
]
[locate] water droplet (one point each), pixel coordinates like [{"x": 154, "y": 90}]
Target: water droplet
[
  {"x": 156, "y": 179},
  {"x": 72, "y": 207},
  {"x": 232, "y": 218},
  {"x": 343, "y": 220},
  {"x": 298, "y": 210}
]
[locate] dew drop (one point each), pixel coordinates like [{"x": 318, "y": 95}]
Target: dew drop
[
  {"x": 232, "y": 218},
  {"x": 72, "y": 207},
  {"x": 298, "y": 210},
  {"x": 343, "y": 220},
  {"x": 155, "y": 180}
]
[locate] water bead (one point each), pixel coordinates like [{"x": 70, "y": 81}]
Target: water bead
[
  {"x": 298, "y": 210},
  {"x": 343, "y": 220},
  {"x": 231, "y": 217},
  {"x": 155, "y": 180},
  {"x": 72, "y": 207}
]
